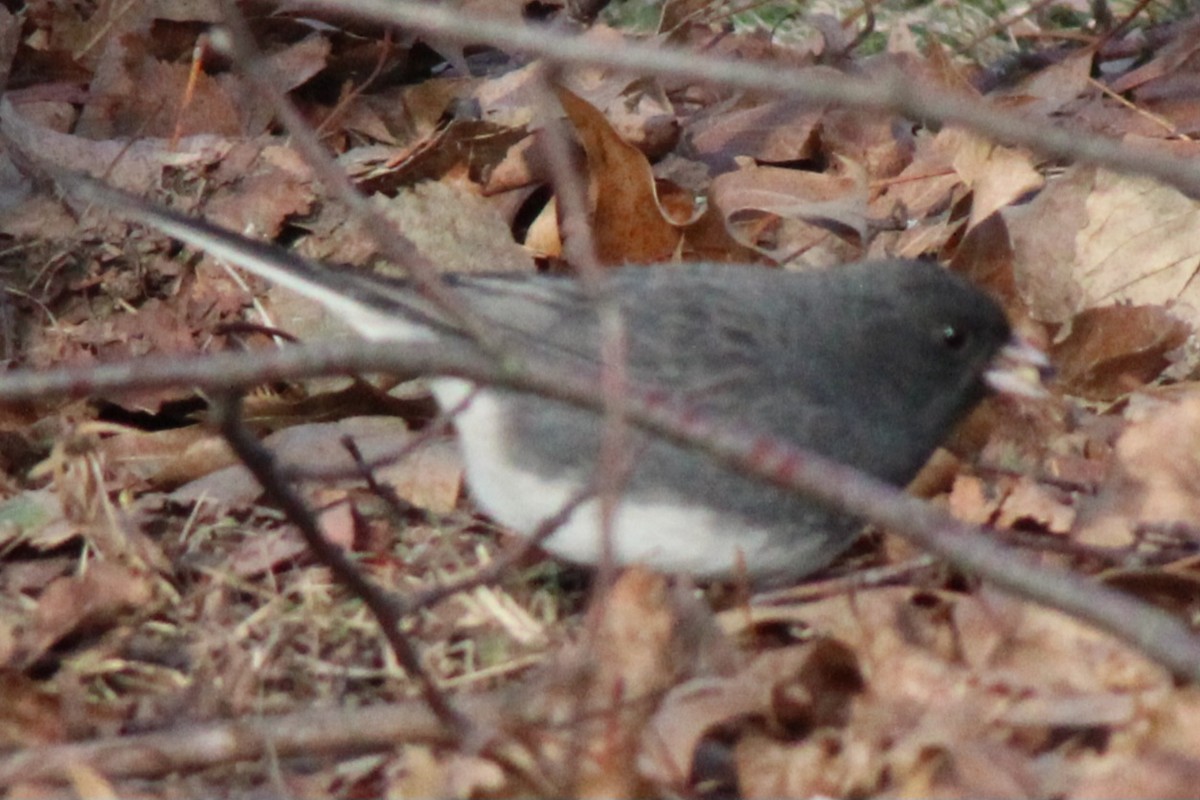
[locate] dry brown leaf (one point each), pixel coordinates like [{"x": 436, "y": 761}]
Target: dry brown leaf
[
  {"x": 927, "y": 723},
  {"x": 543, "y": 238},
  {"x": 603, "y": 86},
  {"x": 633, "y": 643},
  {"x": 769, "y": 132},
  {"x": 135, "y": 93},
  {"x": 159, "y": 327},
  {"x": 818, "y": 766},
  {"x": 945, "y": 72},
  {"x": 430, "y": 476},
  {"x": 985, "y": 256},
  {"x": 471, "y": 775},
  {"x": 31, "y": 713},
  {"x": 915, "y": 242},
  {"x": 627, "y": 224},
  {"x": 811, "y": 205},
  {"x": 264, "y": 552},
  {"x": 644, "y": 118},
  {"x": 365, "y": 121},
  {"x": 260, "y": 203},
  {"x": 320, "y": 444},
  {"x": 1141, "y": 244},
  {"x": 796, "y": 688},
  {"x": 166, "y": 458},
  {"x": 267, "y": 552},
  {"x": 455, "y": 228},
  {"x": 1154, "y": 480},
  {"x": 1166, "y": 62},
  {"x": 410, "y": 112},
  {"x": 709, "y": 239},
  {"x": 78, "y": 33},
  {"x": 972, "y": 501},
  {"x": 943, "y": 671},
  {"x": 1114, "y": 350},
  {"x": 644, "y": 638},
  {"x": 1173, "y": 713},
  {"x": 632, "y": 653},
  {"x": 510, "y": 99},
  {"x": 1159, "y": 773},
  {"x": 520, "y": 168},
  {"x": 1044, "y": 253},
  {"x": 1029, "y": 501},
  {"x": 677, "y": 204},
  {"x": 1020, "y": 648},
  {"x": 1047, "y": 91},
  {"x": 93, "y": 600},
  {"x": 831, "y": 199},
  {"x": 883, "y": 148},
  {"x": 921, "y": 193},
  {"x": 901, "y": 638},
  {"x": 34, "y": 217},
  {"x": 333, "y": 236},
  {"x": 136, "y": 167},
  {"x": 996, "y": 175},
  {"x": 464, "y": 147},
  {"x": 1112, "y": 239},
  {"x": 416, "y": 772}
]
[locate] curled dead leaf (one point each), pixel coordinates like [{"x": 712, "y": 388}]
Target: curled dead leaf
[
  {"x": 627, "y": 222},
  {"x": 795, "y": 689}
]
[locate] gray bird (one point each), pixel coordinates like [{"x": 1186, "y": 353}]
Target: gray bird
[{"x": 870, "y": 364}]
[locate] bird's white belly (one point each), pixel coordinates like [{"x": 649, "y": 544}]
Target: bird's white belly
[{"x": 667, "y": 537}]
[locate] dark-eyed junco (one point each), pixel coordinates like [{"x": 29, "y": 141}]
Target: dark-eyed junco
[{"x": 870, "y": 364}]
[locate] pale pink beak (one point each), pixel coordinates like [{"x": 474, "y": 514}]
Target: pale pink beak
[{"x": 1019, "y": 369}]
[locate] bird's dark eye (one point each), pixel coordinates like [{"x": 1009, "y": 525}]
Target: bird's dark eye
[{"x": 954, "y": 337}]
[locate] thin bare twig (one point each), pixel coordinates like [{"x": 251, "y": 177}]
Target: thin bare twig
[
  {"x": 612, "y": 460},
  {"x": 391, "y": 241},
  {"x": 227, "y": 411},
  {"x": 1156, "y": 633},
  {"x": 189, "y": 747}
]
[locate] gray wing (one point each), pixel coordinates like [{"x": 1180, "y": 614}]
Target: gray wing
[{"x": 726, "y": 339}]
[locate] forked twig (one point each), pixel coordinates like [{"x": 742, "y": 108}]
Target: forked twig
[{"x": 227, "y": 412}]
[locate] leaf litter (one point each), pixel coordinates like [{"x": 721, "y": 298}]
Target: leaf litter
[{"x": 144, "y": 586}]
